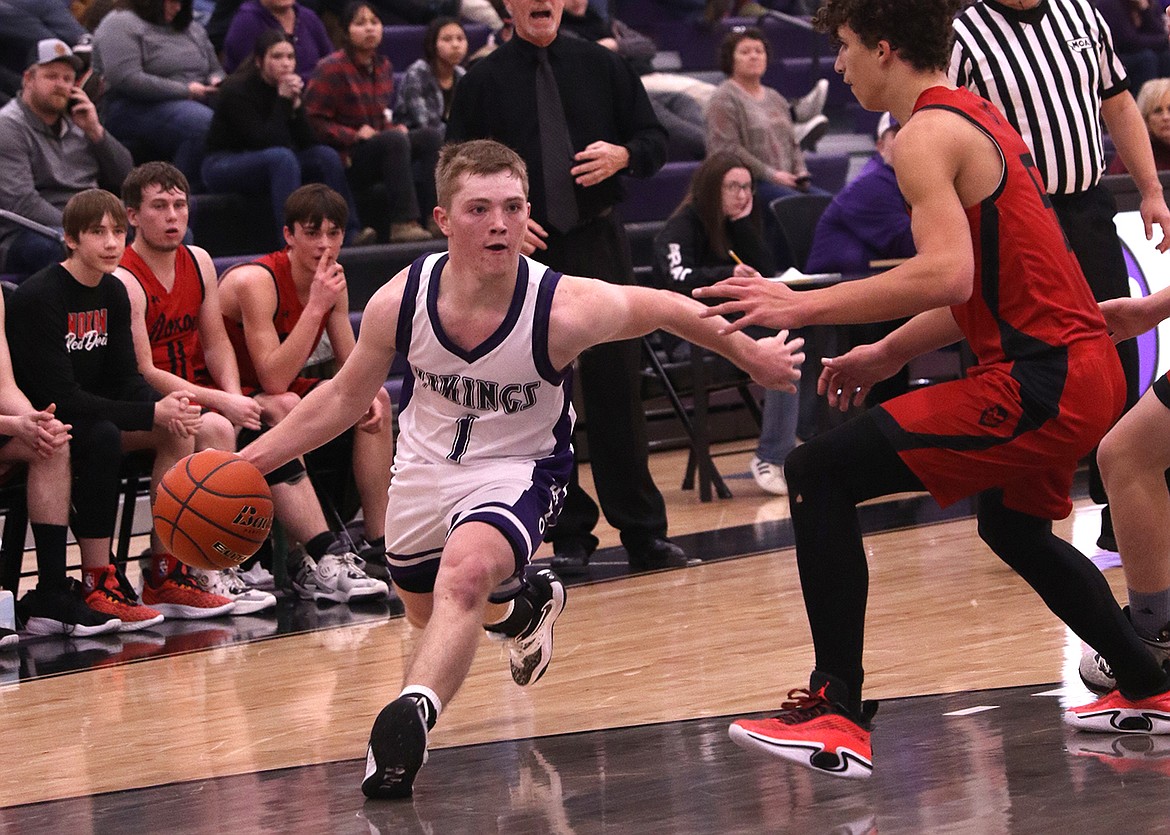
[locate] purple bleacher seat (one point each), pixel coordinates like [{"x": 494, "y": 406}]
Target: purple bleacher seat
[
  {"x": 654, "y": 198},
  {"x": 792, "y": 77},
  {"x": 642, "y": 13},
  {"x": 828, "y": 171},
  {"x": 403, "y": 45},
  {"x": 787, "y": 39}
]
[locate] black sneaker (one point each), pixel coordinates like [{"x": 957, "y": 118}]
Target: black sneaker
[
  {"x": 531, "y": 650},
  {"x": 372, "y": 560},
  {"x": 63, "y": 612},
  {"x": 656, "y": 555},
  {"x": 8, "y": 639},
  {"x": 571, "y": 558},
  {"x": 397, "y": 750}
]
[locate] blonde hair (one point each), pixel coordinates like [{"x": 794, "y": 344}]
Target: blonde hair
[
  {"x": 479, "y": 156},
  {"x": 1152, "y": 92}
]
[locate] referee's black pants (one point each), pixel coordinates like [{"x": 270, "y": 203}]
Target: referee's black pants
[
  {"x": 615, "y": 421},
  {"x": 1087, "y": 219}
]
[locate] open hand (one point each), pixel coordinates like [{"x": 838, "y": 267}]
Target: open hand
[
  {"x": 762, "y": 302},
  {"x": 847, "y": 379},
  {"x": 778, "y": 363}
]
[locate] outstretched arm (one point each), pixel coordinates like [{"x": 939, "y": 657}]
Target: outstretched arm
[
  {"x": 631, "y": 312},
  {"x": 338, "y": 403},
  {"x": 932, "y": 152}
]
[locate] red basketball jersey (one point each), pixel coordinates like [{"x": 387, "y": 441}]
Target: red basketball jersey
[
  {"x": 1029, "y": 292},
  {"x": 288, "y": 313},
  {"x": 172, "y": 316}
]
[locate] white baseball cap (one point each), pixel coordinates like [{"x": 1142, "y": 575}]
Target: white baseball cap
[{"x": 50, "y": 50}]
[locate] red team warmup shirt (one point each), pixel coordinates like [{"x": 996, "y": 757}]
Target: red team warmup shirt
[
  {"x": 172, "y": 316},
  {"x": 288, "y": 313},
  {"x": 1047, "y": 384}
]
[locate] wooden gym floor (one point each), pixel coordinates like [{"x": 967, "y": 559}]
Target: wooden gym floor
[{"x": 258, "y": 724}]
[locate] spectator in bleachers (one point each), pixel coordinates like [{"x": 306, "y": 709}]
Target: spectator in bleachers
[
  {"x": 69, "y": 335},
  {"x": 261, "y": 140},
  {"x": 428, "y": 86},
  {"x": 278, "y": 310},
  {"x": 52, "y": 146},
  {"x": 1139, "y": 38},
  {"x": 1153, "y": 100},
  {"x": 348, "y": 103},
  {"x": 24, "y": 22},
  {"x": 867, "y": 219},
  {"x": 716, "y": 233},
  {"x": 304, "y": 29},
  {"x": 160, "y": 74},
  {"x": 754, "y": 121}
]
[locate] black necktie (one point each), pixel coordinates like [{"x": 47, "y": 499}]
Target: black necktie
[{"x": 556, "y": 149}]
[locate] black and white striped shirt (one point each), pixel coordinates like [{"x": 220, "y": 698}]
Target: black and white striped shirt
[{"x": 1048, "y": 69}]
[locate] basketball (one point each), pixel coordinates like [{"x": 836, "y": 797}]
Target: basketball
[{"x": 213, "y": 510}]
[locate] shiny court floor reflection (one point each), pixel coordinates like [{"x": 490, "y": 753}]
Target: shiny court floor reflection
[{"x": 987, "y": 761}]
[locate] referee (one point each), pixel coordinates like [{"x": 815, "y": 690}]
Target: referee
[{"x": 1049, "y": 65}]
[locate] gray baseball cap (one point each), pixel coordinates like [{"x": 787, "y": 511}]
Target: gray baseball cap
[{"x": 51, "y": 50}]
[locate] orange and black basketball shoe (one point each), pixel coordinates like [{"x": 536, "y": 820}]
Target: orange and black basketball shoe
[{"x": 813, "y": 731}]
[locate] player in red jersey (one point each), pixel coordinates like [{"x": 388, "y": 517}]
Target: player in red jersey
[
  {"x": 992, "y": 267},
  {"x": 278, "y": 310}
]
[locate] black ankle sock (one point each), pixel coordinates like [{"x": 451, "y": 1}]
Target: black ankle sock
[
  {"x": 378, "y": 544},
  {"x": 518, "y": 620},
  {"x": 318, "y": 545},
  {"x": 426, "y": 708},
  {"x": 50, "y": 544}
]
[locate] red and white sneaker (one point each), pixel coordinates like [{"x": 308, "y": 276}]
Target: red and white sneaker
[
  {"x": 177, "y": 596},
  {"x": 112, "y": 595},
  {"x": 812, "y": 731},
  {"x": 1114, "y": 713}
]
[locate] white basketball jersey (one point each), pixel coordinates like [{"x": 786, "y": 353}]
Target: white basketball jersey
[{"x": 501, "y": 400}]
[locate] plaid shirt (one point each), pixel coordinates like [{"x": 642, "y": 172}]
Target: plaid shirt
[
  {"x": 420, "y": 99},
  {"x": 341, "y": 97}
]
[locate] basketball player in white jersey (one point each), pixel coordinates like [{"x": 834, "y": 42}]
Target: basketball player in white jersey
[{"x": 486, "y": 425}]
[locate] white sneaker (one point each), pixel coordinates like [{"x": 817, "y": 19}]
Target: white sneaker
[
  {"x": 809, "y": 133},
  {"x": 258, "y": 577},
  {"x": 228, "y": 583},
  {"x": 770, "y": 477},
  {"x": 812, "y": 103},
  {"x": 336, "y": 577}
]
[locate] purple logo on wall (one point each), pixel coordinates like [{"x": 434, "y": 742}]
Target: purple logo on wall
[{"x": 1148, "y": 341}]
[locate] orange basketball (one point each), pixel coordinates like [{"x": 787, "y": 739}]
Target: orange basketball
[{"x": 213, "y": 510}]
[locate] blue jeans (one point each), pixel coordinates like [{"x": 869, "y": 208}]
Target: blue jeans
[
  {"x": 31, "y": 251},
  {"x": 175, "y": 128},
  {"x": 778, "y": 430},
  {"x": 280, "y": 171}
]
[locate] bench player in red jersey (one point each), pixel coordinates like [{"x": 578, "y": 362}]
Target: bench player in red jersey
[{"x": 992, "y": 267}]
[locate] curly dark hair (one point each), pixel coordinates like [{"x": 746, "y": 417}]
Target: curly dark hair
[{"x": 919, "y": 30}]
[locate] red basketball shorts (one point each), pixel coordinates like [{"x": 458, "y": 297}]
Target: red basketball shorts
[{"x": 1022, "y": 427}]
